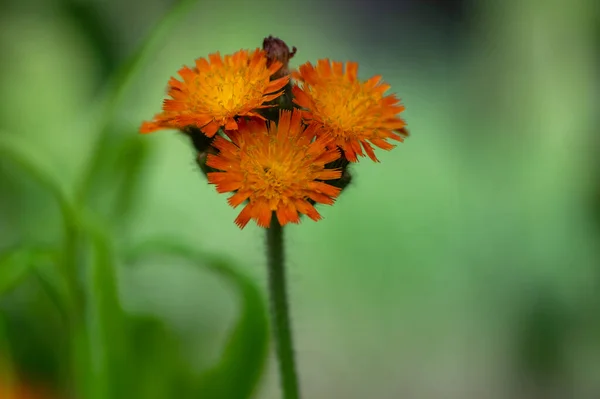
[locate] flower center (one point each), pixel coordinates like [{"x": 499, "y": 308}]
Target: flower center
[
  {"x": 343, "y": 106},
  {"x": 274, "y": 178},
  {"x": 228, "y": 91}
]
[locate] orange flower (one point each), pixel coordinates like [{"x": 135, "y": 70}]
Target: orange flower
[
  {"x": 278, "y": 168},
  {"x": 217, "y": 90},
  {"x": 353, "y": 112}
]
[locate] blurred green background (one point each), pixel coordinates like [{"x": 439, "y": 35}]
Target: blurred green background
[{"x": 465, "y": 265}]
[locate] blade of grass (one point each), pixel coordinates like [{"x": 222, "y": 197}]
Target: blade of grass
[
  {"x": 114, "y": 190},
  {"x": 53, "y": 286},
  {"x": 48, "y": 183},
  {"x": 161, "y": 368},
  {"x": 17, "y": 263},
  {"x": 105, "y": 322},
  {"x": 240, "y": 367},
  {"x": 74, "y": 303},
  {"x": 119, "y": 84},
  {"x": 88, "y": 19},
  {"x": 133, "y": 155}
]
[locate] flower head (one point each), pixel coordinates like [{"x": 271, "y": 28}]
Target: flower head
[
  {"x": 276, "y": 167},
  {"x": 217, "y": 90},
  {"x": 355, "y": 113}
]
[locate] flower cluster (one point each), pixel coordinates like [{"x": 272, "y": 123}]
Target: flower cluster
[{"x": 280, "y": 140}]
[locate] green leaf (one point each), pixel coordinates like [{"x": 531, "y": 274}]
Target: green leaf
[
  {"x": 160, "y": 368},
  {"x": 50, "y": 280},
  {"x": 124, "y": 76},
  {"x": 90, "y": 361},
  {"x": 18, "y": 263},
  {"x": 35, "y": 328},
  {"x": 9, "y": 152},
  {"x": 114, "y": 188},
  {"x": 131, "y": 161},
  {"x": 105, "y": 331},
  {"x": 15, "y": 264},
  {"x": 95, "y": 29},
  {"x": 241, "y": 364},
  {"x": 119, "y": 84},
  {"x": 5, "y": 349}
]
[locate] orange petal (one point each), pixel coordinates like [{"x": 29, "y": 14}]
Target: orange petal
[
  {"x": 149, "y": 127},
  {"x": 239, "y": 197},
  {"x": 277, "y": 84},
  {"x": 211, "y": 129},
  {"x": 244, "y": 216},
  {"x": 301, "y": 98},
  {"x": 231, "y": 125},
  {"x": 262, "y": 214}
]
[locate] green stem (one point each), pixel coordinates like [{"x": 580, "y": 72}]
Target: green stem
[{"x": 280, "y": 311}]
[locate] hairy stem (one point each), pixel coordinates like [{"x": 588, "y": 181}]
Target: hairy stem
[{"x": 280, "y": 311}]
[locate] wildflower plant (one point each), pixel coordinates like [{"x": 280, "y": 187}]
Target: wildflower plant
[{"x": 281, "y": 141}]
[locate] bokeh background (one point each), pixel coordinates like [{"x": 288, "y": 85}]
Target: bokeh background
[{"x": 465, "y": 265}]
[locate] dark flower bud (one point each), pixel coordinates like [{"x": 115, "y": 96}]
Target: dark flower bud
[{"x": 277, "y": 50}]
